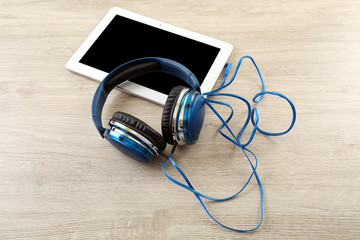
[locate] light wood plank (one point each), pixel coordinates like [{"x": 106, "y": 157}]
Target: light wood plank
[{"x": 59, "y": 180}]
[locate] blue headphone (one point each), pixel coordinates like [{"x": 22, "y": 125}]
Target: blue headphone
[{"x": 182, "y": 117}]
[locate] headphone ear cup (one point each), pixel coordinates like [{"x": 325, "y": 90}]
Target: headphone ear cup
[
  {"x": 168, "y": 111},
  {"x": 141, "y": 128}
]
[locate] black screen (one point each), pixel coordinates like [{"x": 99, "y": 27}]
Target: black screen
[{"x": 124, "y": 40}]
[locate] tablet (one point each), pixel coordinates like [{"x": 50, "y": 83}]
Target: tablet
[{"x": 122, "y": 36}]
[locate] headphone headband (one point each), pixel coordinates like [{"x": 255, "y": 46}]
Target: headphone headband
[{"x": 132, "y": 69}]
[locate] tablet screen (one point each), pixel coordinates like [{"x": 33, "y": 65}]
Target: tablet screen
[{"x": 125, "y": 39}]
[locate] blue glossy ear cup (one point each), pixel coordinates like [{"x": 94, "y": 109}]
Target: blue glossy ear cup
[
  {"x": 183, "y": 116},
  {"x": 193, "y": 118},
  {"x": 134, "y": 138},
  {"x": 128, "y": 145}
]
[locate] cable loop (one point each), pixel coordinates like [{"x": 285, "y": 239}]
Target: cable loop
[{"x": 253, "y": 117}]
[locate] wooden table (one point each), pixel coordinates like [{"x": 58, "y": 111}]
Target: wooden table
[{"x": 59, "y": 180}]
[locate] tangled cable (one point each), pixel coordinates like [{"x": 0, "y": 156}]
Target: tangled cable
[{"x": 252, "y": 116}]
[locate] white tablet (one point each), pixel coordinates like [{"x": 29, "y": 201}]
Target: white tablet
[{"x": 122, "y": 36}]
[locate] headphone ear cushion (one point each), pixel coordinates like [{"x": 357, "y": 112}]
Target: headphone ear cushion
[
  {"x": 168, "y": 112},
  {"x": 141, "y": 128}
]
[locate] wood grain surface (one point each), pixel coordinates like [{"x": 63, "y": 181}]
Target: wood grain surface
[{"x": 59, "y": 180}]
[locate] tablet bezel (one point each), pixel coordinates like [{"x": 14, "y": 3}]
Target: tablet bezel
[{"x": 74, "y": 62}]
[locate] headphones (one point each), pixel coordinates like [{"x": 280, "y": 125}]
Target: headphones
[
  {"x": 182, "y": 120},
  {"x": 182, "y": 117}
]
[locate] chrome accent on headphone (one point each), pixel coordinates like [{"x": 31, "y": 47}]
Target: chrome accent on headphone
[
  {"x": 181, "y": 133},
  {"x": 132, "y": 138},
  {"x": 177, "y": 132},
  {"x": 146, "y": 141},
  {"x": 180, "y": 129}
]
